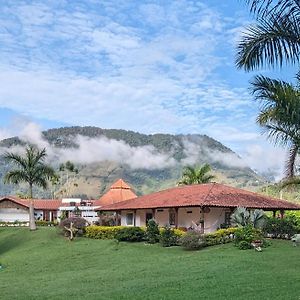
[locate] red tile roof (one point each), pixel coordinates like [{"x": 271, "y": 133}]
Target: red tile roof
[
  {"x": 42, "y": 204},
  {"x": 119, "y": 191},
  {"x": 210, "y": 194}
]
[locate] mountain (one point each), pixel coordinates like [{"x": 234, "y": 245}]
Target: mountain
[{"x": 147, "y": 162}]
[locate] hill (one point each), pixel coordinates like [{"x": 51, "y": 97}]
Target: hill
[{"x": 147, "y": 162}]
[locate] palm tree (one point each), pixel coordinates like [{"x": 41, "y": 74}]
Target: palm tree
[
  {"x": 196, "y": 175},
  {"x": 30, "y": 169},
  {"x": 280, "y": 114},
  {"x": 275, "y": 38}
]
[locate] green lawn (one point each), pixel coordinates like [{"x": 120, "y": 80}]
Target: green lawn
[{"x": 43, "y": 265}]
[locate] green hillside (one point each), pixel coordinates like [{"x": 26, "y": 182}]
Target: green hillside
[{"x": 95, "y": 177}]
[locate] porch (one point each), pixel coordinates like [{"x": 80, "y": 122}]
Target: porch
[{"x": 209, "y": 218}]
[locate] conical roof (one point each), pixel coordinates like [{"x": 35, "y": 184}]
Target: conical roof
[
  {"x": 119, "y": 191},
  {"x": 120, "y": 184}
]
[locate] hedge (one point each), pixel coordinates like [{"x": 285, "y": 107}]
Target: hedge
[
  {"x": 102, "y": 232},
  {"x": 110, "y": 232}
]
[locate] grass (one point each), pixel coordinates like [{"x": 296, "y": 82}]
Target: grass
[{"x": 43, "y": 265}]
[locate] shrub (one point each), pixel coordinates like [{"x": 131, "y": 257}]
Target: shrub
[
  {"x": 168, "y": 237},
  {"x": 45, "y": 223},
  {"x": 102, "y": 232},
  {"x": 79, "y": 225},
  {"x": 244, "y": 245},
  {"x": 152, "y": 232},
  {"x": 130, "y": 234},
  {"x": 281, "y": 228},
  {"x": 221, "y": 236},
  {"x": 247, "y": 235},
  {"x": 193, "y": 240}
]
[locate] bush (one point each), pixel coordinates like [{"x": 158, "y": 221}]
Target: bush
[
  {"x": 45, "y": 223},
  {"x": 168, "y": 237},
  {"x": 221, "y": 236},
  {"x": 247, "y": 235},
  {"x": 130, "y": 234},
  {"x": 193, "y": 240},
  {"x": 152, "y": 232},
  {"x": 79, "y": 225},
  {"x": 244, "y": 245},
  {"x": 102, "y": 232},
  {"x": 281, "y": 228}
]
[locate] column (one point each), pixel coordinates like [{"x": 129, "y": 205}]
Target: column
[
  {"x": 134, "y": 217},
  {"x": 176, "y": 217}
]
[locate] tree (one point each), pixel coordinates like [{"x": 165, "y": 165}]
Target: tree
[
  {"x": 275, "y": 38},
  {"x": 31, "y": 169},
  {"x": 196, "y": 175},
  {"x": 280, "y": 114}
]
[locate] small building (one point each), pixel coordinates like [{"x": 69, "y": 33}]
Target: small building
[
  {"x": 13, "y": 209},
  {"x": 209, "y": 205}
]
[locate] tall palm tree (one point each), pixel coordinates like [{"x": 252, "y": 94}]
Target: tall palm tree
[
  {"x": 196, "y": 175},
  {"x": 280, "y": 114},
  {"x": 31, "y": 169},
  {"x": 275, "y": 38}
]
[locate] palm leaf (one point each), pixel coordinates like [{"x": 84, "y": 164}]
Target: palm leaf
[{"x": 272, "y": 41}]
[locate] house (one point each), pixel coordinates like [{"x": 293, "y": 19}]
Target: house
[
  {"x": 209, "y": 205},
  {"x": 14, "y": 209}
]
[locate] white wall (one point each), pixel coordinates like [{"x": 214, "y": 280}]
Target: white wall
[
  {"x": 13, "y": 214},
  {"x": 213, "y": 219}
]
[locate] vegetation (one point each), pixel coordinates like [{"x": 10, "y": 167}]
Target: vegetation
[
  {"x": 30, "y": 169},
  {"x": 243, "y": 217},
  {"x": 74, "y": 226},
  {"x": 193, "y": 240},
  {"x": 168, "y": 237},
  {"x": 275, "y": 39},
  {"x": 196, "y": 175},
  {"x": 282, "y": 228},
  {"x": 245, "y": 236},
  {"x": 152, "y": 232},
  {"x": 130, "y": 234}
]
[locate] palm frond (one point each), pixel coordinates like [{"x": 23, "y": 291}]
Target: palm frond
[
  {"x": 262, "y": 8},
  {"x": 15, "y": 176},
  {"x": 273, "y": 41}
]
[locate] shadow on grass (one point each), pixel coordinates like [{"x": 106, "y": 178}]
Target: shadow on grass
[{"x": 10, "y": 242}]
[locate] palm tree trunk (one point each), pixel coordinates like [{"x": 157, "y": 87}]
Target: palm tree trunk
[{"x": 32, "y": 225}]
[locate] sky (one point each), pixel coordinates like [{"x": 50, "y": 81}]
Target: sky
[{"x": 148, "y": 66}]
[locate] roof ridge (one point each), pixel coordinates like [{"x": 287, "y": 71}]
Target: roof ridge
[{"x": 213, "y": 184}]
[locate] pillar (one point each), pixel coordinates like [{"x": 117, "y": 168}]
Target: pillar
[
  {"x": 281, "y": 214},
  {"x": 274, "y": 213},
  {"x": 176, "y": 217},
  {"x": 134, "y": 217}
]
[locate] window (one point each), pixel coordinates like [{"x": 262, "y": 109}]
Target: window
[
  {"x": 171, "y": 217},
  {"x": 227, "y": 217},
  {"x": 129, "y": 219}
]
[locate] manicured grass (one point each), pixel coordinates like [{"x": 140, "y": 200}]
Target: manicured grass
[{"x": 43, "y": 265}]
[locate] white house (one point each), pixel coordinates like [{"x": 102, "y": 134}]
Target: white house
[{"x": 209, "y": 205}]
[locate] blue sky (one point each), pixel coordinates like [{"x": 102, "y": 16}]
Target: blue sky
[{"x": 148, "y": 66}]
